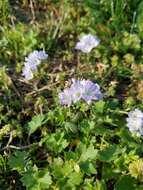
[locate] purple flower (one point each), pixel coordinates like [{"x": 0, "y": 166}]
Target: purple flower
[
  {"x": 87, "y": 43},
  {"x": 27, "y": 73},
  {"x": 80, "y": 89},
  {"x": 135, "y": 122},
  {"x": 91, "y": 91},
  {"x": 36, "y": 56},
  {"x": 31, "y": 63}
]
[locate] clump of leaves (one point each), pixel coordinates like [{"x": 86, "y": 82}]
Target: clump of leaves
[
  {"x": 17, "y": 41},
  {"x": 46, "y": 146},
  {"x": 35, "y": 179},
  {"x": 18, "y": 161}
]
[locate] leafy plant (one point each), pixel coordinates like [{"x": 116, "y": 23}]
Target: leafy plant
[
  {"x": 45, "y": 145},
  {"x": 36, "y": 122}
]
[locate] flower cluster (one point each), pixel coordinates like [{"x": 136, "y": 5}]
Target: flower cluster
[
  {"x": 87, "y": 43},
  {"x": 31, "y": 63},
  {"x": 135, "y": 122},
  {"x": 80, "y": 89}
]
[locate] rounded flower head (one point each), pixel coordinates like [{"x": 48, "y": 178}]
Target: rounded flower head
[
  {"x": 91, "y": 91},
  {"x": 87, "y": 43},
  {"x": 80, "y": 89},
  {"x": 135, "y": 121},
  {"x": 37, "y": 55},
  {"x": 31, "y": 63}
]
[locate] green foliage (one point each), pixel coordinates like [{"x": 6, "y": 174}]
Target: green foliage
[
  {"x": 99, "y": 107},
  {"x": 100, "y": 185},
  {"x": 46, "y": 146},
  {"x": 36, "y": 180},
  {"x": 87, "y": 153},
  {"x": 36, "y": 122},
  {"x": 56, "y": 142},
  {"x": 125, "y": 182},
  {"x": 139, "y": 19},
  {"x": 17, "y": 41},
  {"x": 5, "y": 81},
  {"x": 66, "y": 174},
  {"x": 4, "y": 11},
  {"x": 109, "y": 154},
  {"x": 2, "y": 164},
  {"x": 18, "y": 161}
]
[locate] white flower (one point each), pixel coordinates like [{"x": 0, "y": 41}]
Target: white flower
[
  {"x": 31, "y": 63},
  {"x": 135, "y": 121},
  {"x": 87, "y": 43}
]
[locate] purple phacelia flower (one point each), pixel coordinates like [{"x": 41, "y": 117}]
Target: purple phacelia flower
[
  {"x": 80, "y": 89},
  {"x": 87, "y": 43},
  {"x": 36, "y": 56},
  {"x": 135, "y": 122},
  {"x": 91, "y": 91},
  {"x": 31, "y": 63}
]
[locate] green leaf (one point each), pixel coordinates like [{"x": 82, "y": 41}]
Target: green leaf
[
  {"x": 36, "y": 122},
  {"x": 100, "y": 185},
  {"x": 70, "y": 127},
  {"x": 125, "y": 182},
  {"x": 57, "y": 142},
  {"x": 67, "y": 169},
  {"x": 18, "y": 161},
  {"x": 108, "y": 172},
  {"x": 101, "y": 131},
  {"x": 99, "y": 107},
  {"x": 36, "y": 179},
  {"x": 86, "y": 126},
  {"x": 127, "y": 138},
  {"x": 56, "y": 168},
  {"x": 88, "y": 153},
  {"x": 67, "y": 174},
  {"x": 29, "y": 181},
  {"x": 75, "y": 178},
  {"x": 88, "y": 167},
  {"x": 88, "y": 184},
  {"x": 108, "y": 154},
  {"x": 45, "y": 180}
]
